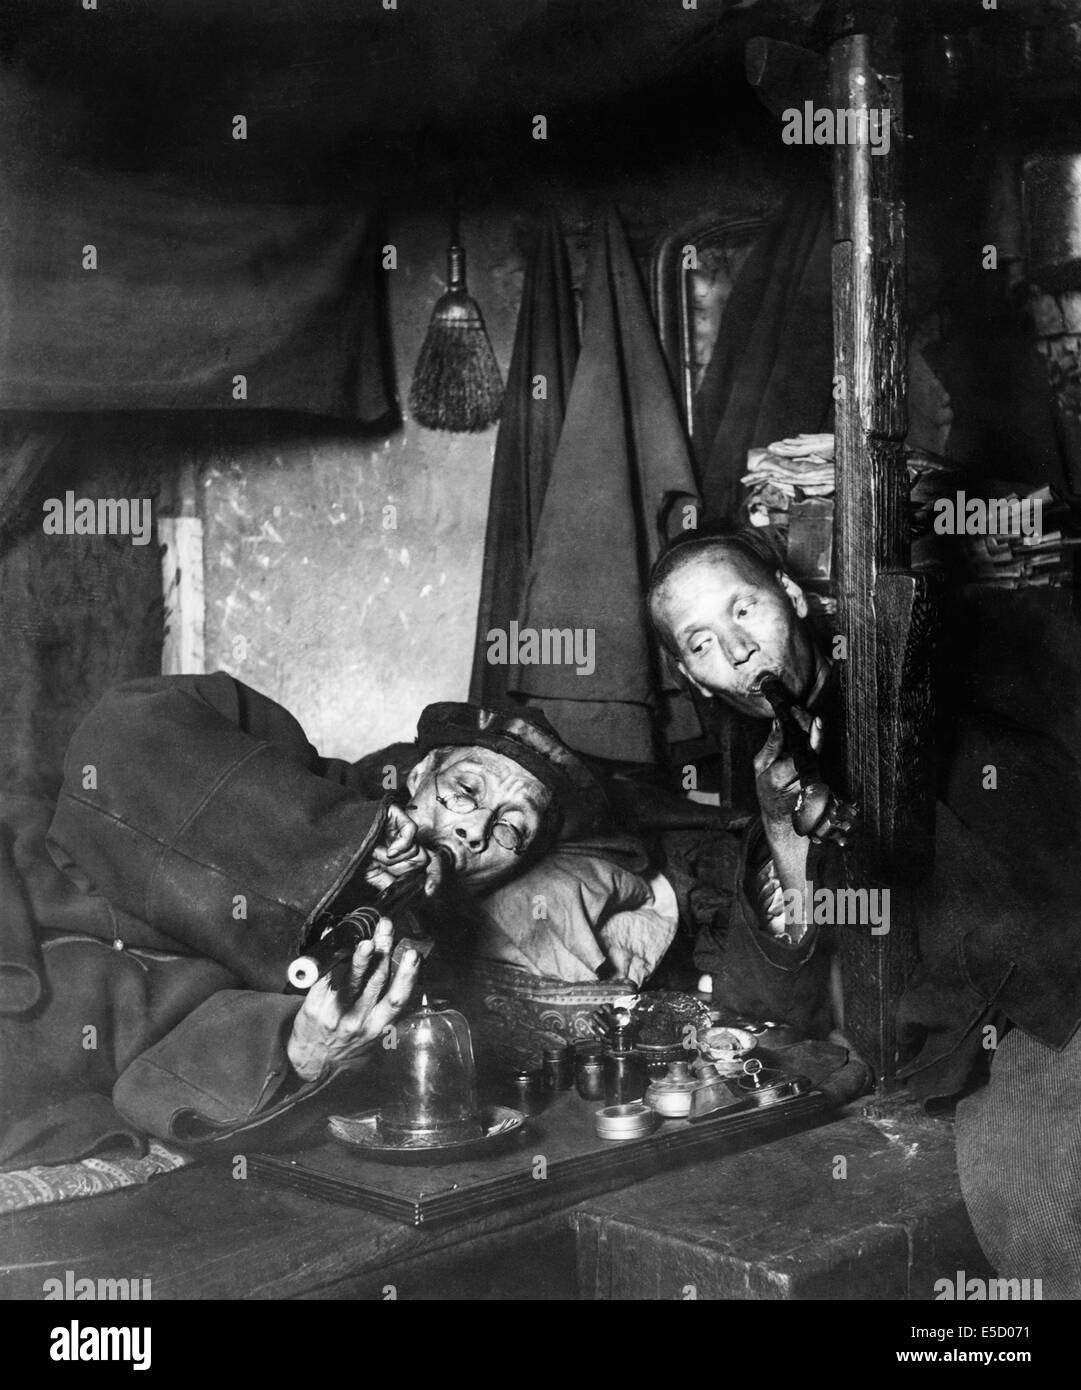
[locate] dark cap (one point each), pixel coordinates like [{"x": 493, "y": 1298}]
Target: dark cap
[{"x": 526, "y": 737}]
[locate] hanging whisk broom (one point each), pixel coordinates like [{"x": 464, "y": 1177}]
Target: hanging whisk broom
[{"x": 457, "y": 383}]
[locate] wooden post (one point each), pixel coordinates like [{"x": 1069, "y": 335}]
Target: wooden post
[{"x": 885, "y": 613}]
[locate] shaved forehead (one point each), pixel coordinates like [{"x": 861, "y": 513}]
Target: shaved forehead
[{"x": 719, "y": 553}]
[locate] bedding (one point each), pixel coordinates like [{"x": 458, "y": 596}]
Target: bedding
[{"x": 577, "y": 916}]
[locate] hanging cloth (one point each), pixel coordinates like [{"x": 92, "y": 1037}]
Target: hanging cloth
[
  {"x": 771, "y": 373},
  {"x": 538, "y": 386},
  {"x": 621, "y": 472},
  {"x": 123, "y": 292}
]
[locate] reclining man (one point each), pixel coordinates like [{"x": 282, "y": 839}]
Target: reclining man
[
  {"x": 146, "y": 932},
  {"x": 1000, "y": 978}
]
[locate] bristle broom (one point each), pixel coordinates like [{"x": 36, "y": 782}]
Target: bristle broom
[{"x": 457, "y": 384}]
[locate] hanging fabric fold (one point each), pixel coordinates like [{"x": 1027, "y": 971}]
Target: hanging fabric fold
[
  {"x": 538, "y": 386},
  {"x": 621, "y": 476},
  {"x": 771, "y": 373}
]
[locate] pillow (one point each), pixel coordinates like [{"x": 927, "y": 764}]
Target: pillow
[{"x": 573, "y": 912}]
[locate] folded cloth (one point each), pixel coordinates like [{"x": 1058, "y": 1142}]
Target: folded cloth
[
  {"x": 811, "y": 473},
  {"x": 804, "y": 446}
]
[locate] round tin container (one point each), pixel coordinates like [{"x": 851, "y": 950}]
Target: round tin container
[{"x": 632, "y": 1121}]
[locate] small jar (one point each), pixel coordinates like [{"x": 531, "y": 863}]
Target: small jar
[
  {"x": 558, "y": 1067},
  {"x": 529, "y": 1092},
  {"x": 589, "y": 1070},
  {"x": 625, "y": 1076}
]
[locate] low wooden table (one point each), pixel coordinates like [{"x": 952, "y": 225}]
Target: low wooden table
[{"x": 201, "y": 1233}]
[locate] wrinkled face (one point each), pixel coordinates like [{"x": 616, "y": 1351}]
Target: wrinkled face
[
  {"x": 507, "y": 802},
  {"x": 729, "y": 623}
]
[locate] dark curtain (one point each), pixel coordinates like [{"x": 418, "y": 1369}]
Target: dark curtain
[
  {"x": 181, "y": 294},
  {"x": 621, "y": 472},
  {"x": 771, "y": 373},
  {"x": 546, "y": 346}
]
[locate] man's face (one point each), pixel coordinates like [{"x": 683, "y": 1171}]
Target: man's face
[
  {"x": 509, "y": 804},
  {"x": 729, "y": 625}
]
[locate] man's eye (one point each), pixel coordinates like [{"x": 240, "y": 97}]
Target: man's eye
[
  {"x": 744, "y": 609},
  {"x": 699, "y": 645}
]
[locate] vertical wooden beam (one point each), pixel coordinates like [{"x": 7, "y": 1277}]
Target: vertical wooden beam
[{"x": 885, "y": 614}]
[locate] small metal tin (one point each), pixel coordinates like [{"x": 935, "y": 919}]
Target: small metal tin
[
  {"x": 529, "y": 1092},
  {"x": 768, "y": 1085},
  {"x": 632, "y": 1121},
  {"x": 589, "y": 1070},
  {"x": 558, "y": 1067}
]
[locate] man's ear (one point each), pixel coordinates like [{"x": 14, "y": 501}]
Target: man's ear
[
  {"x": 796, "y": 596},
  {"x": 416, "y": 775}
]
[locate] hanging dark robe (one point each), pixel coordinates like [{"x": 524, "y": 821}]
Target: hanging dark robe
[
  {"x": 771, "y": 373},
  {"x": 621, "y": 474},
  {"x": 545, "y": 345}
]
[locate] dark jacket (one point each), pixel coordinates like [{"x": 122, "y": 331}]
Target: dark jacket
[{"x": 145, "y": 932}]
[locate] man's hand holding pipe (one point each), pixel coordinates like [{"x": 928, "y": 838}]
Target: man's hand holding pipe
[
  {"x": 401, "y": 854},
  {"x": 333, "y": 1025}
]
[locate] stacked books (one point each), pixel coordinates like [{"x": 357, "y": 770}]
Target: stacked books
[
  {"x": 980, "y": 531},
  {"x": 972, "y": 529}
]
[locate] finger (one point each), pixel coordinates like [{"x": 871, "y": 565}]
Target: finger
[
  {"x": 404, "y": 833},
  {"x": 768, "y": 753},
  {"x": 410, "y": 860},
  {"x": 783, "y": 777},
  {"x": 362, "y": 959},
  {"x": 359, "y": 1016},
  {"x": 818, "y": 734},
  {"x": 383, "y": 937},
  {"x": 433, "y": 878},
  {"x": 802, "y": 717},
  {"x": 397, "y": 996}
]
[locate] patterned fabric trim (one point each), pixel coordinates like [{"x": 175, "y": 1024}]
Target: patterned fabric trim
[{"x": 33, "y": 1187}]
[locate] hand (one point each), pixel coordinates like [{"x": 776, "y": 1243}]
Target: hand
[
  {"x": 776, "y": 781},
  {"x": 400, "y": 854},
  {"x": 329, "y": 1029}
]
